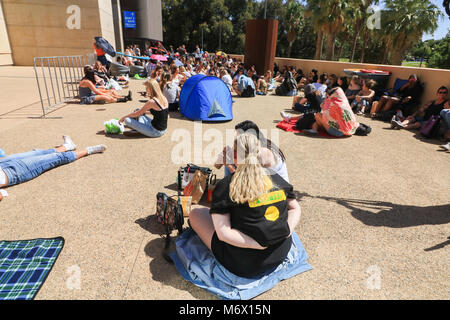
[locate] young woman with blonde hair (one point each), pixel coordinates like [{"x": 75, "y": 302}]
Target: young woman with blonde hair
[
  {"x": 157, "y": 106},
  {"x": 252, "y": 217}
]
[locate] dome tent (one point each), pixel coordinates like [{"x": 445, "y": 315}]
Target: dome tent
[{"x": 206, "y": 98}]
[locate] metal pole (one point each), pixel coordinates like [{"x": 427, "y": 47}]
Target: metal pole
[
  {"x": 220, "y": 36},
  {"x": 39, "y": 87},
  {"x": 62, "y": 80},
  {"x": 51, "y": 79},
  {"x": 56, "y": 78},
  {"x": 72, "y": 76},
  {"x": 265, "y": 9},
  {"x": 45, "y": 80},
  {"x": 65, "y": 77}
]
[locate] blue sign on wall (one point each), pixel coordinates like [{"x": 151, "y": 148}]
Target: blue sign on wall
[{"x": 130, "y": 19}]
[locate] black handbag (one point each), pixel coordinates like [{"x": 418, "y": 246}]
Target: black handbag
[{"x": 169, "y": 212}]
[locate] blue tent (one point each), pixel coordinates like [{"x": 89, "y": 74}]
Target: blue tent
[{"x": 206, "y": 98}]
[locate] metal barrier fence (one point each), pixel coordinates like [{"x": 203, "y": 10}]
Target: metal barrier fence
[{"x": 58, "y": 77}]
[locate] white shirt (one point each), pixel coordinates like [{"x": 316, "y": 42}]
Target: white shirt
[
  {"x": 227, "y": 79},
  {"x": 2, "y": 182},
  {"x": 171, "y": 92}
]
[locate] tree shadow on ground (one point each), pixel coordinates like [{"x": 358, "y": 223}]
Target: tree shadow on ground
[{"x": 387, "y": 214}]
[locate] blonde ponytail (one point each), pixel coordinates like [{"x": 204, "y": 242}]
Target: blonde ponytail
[{"x": 249, "y": 182}]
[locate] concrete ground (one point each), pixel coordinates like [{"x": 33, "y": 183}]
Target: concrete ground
[{"x": 375, "y": 209}]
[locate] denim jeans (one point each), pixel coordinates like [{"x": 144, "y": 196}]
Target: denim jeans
[
  {"x": 144, "y": 126},
  {"x": 445, "y": 116},
  {"x": 23, "y": 167}
]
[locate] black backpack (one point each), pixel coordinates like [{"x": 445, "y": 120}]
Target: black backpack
[
  {"x": 363, "y": 130},
  {"x": 248, "y": 92}
]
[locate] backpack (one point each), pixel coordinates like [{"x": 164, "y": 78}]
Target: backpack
[
  {"x": 305, "y": 122},
  {"x": 248, "y": 92},
  {"x": 363, "y": 130}
]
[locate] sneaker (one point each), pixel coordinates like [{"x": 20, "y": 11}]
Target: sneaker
[
  {"x": 445, "y": 146},
  {"x": 285, "y": 116},
  {"x": 360, "y": 113},
  {"x": 96, "y": 149},
  {"x": 393, "y": 122},
  {"x": 398, "y": 125},
  {"x": 68, "y": 144}
]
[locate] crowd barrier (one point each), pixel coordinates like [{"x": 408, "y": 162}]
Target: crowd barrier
[{"x": 58, "y": 77}]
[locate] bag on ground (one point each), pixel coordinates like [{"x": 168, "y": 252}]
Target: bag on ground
[
  {"x": 114, "y": 127},
  {"x": 430, "y": 128}
]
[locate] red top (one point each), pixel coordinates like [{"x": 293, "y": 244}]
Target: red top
[{"x": 99, "y": 51}]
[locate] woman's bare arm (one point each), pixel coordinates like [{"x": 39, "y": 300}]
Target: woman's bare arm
[{"x": 294, "y": 214}]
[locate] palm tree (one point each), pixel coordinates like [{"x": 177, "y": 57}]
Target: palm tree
[
  {"x": 317, "y": 14},
  {"x": 406, "y": 21},
  {"x": 333, "y": 11},
  {"x": 294, "y": 14}
]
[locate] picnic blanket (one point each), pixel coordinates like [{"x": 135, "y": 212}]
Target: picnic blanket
[
  {"x": 25, "y": 265},
  {"x": 196, "y": 263},
  {"x": 290, "y": 127}
]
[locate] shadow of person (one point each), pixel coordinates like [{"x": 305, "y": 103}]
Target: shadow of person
[
  {"x": 439, "y": 245},
  {"x": 392, "y": 215},
  {"x": 166, "y": 273},
  {"x": 386, "y": 214}
]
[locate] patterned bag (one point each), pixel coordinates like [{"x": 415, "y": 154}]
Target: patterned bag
[{"x": 169, "y": 212}]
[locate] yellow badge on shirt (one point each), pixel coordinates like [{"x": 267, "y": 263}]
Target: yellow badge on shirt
[
  {"x": 268, "y": 198},
  {"x": 272, "y": 213}
]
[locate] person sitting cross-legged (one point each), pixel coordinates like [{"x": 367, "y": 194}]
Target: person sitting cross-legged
[{"x": 252, "y": 218}]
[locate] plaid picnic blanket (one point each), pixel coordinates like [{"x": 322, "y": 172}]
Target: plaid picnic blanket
[{"x": 24, "y": 266}]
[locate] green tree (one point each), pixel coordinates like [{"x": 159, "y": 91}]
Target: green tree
[
  {"x": 294, "y": 19},
  {"x": 406, "y": 22},
  {"x": 440, "y": 54}
]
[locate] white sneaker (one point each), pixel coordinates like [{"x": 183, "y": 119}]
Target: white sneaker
[
  {"x": 68, "y": 144},
  {"x": 446, "y": 146},
  {"x": 285, "y": 116},
  {"x": 310, "y": 131},
  {"x": 96, "y": 149}
]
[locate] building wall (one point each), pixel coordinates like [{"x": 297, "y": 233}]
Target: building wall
[
  {"x": 5, "y": 48},
  {"x": 41, "y": 28},
  {"x": 433, "y": 78},
  {"x": 148, "y": 19}
]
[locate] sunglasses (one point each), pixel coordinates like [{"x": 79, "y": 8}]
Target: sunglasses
[{"x": 443, "y": 92}]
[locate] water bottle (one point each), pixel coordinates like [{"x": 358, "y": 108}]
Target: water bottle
[{"x": 2, "y": 153}]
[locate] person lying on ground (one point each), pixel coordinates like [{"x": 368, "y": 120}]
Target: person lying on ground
[
  {"x": 406, "y": 98},
  {"x": 432, "y": 108},
  {"x": 252, "y": 217},
  {"x": 363, "y": 100},
  {"x": 271, "y": 157},
  {"x": 89, "y": 94},
  {"x": 22, "y": 167},
  {"x": 158, "y": 106}
]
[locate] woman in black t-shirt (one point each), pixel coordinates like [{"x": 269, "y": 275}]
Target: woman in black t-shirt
[{"x": 252, "y": 216}]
